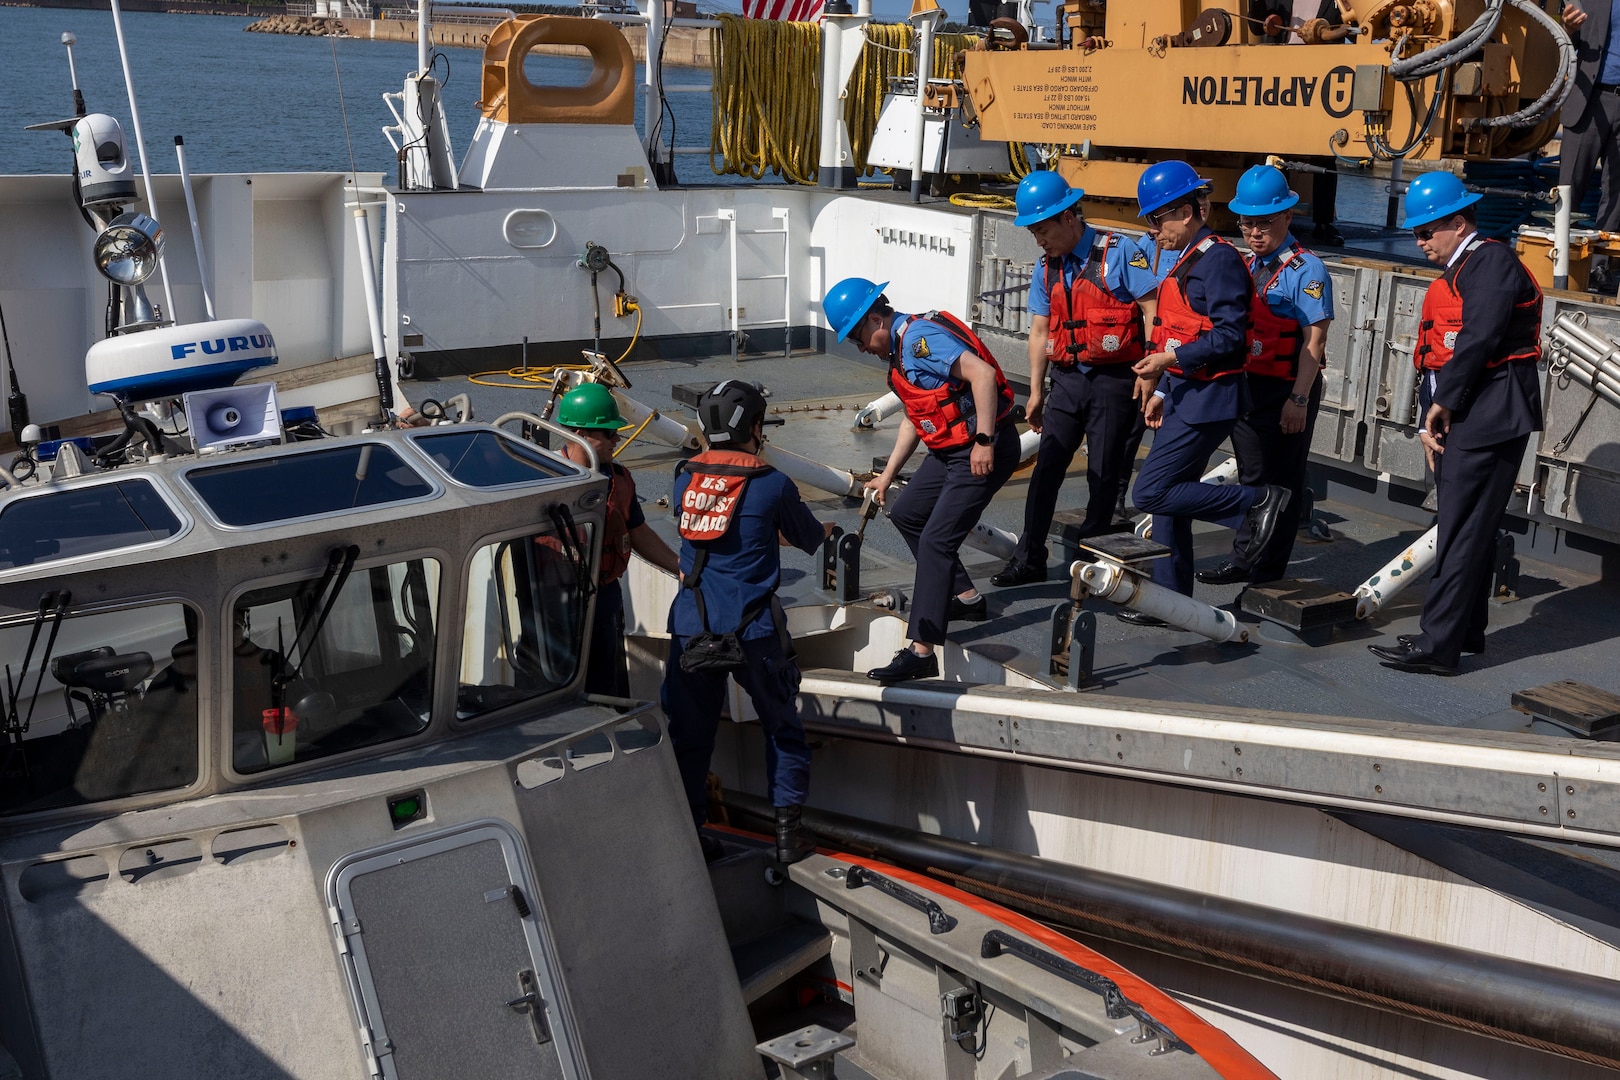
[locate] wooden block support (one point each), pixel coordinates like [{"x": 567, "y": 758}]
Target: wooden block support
[{"x": 1578, "y": 708}]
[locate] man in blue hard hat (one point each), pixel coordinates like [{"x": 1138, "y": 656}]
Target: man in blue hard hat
[
  {"x": 1288, "y": 326},
  {"x": 959, "y": 405},
  {"x": 1087, "y": 333},
  {"x": 1479, "y": 393},
  {"x": 1200, "y": 345}
]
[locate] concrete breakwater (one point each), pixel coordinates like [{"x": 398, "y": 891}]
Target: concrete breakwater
[{"x": 684, "y": 47}]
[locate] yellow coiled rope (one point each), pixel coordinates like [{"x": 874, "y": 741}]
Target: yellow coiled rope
[{"x": 767, "y": 98}]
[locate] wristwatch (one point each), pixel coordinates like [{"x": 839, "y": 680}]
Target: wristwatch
[
  {"x": 1301, "y": 400},
  {"x": 981, "y": 439}
]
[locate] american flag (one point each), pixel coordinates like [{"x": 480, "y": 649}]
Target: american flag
[{"x": 791, "y": 10}]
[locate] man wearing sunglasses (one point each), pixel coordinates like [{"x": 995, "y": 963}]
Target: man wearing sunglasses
[
  {"x": 1293, "y": 304},
  {"x": 1087, "y": 332},
  {"x": 1200, "y": 345},
  {"x": 1479, "y": 395}
]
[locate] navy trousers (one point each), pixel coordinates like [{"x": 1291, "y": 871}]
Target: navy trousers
[
  {"x": 934, "y": 514},
  {"x": 693, "y": 700},
  {"x": 1168, "y": 487},
  {"x": 1266, "y": 456},
  {"x": 1095, "y": 405},
  {"x": 607, "y": 669},
  {"x": 1472, "y": 487}
]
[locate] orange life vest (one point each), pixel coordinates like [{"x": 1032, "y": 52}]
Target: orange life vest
[
  {"x": 709, "y": 503},
  {"x": 1442, "y": 319},
  {"x": 1176, "y": 323},
  {"x": 1087, "y": 324},
  {"x": 941, "y": 416},
  {"x": 1274, "y": 341},
  {"x": 616, "y": 528}
]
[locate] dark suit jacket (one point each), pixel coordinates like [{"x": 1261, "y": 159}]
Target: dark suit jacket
[
  {"x": 1489, "y": 405},
  {"x": 1589, "y": 38},
  {"x": 1219, "y": 288}
]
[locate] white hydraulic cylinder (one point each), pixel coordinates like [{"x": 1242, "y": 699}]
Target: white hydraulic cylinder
[
  {"x": 661, "y": 428},
  {"x": 1561, "y": 238},
  {"x": 879, "y": 410},
  {"x": 802, "y": 470},
  {"x": 1396, "y": 575},
  {"x": 992, "y": 541},
  {"x": 1122, "y": 585}
]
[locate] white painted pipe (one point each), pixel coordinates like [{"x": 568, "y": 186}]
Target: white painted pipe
[
  {"x": 1561, "y": 239},
  {"x": 925, "y": 68},
  {"x": 652, "y": 76},
  {"x": 1224, "y": 473},
  {"x": 424, "y": 37},
  {"x": 368, "y": 282},
  {"x": 1599, "y": 377},
  {"x": 1028, "y": 443},
  {"x": 196, "y": 228},
  {"x": 832, "y": 112},
  {"x": 1122, "y": 585},
  {"x": 879, "y": 410},
  {"x": 1396, "y": 575},
  {"x": 800, "y": 469},
  {"x": 140, "y": 145},
  {"x": 992, "y": 541},
  {"x": 660, "y": 428}
]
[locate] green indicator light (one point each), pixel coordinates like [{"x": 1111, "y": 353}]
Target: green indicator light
[{"x": 406, "y": 809}]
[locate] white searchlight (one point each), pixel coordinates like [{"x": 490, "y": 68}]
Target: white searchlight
[{"x": 126, "y": 253}]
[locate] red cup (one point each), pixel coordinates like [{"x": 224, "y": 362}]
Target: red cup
[{"x": 281, "y": 721}]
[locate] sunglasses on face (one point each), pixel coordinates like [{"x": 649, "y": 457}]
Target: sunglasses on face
[
  {"x": 1157, "y": 219},
  {"x": 1425, "y": 234},
  {"x": 1257, "y": 224}
]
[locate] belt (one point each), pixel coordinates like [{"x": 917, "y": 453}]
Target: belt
[{"x": 1608, "y": 88}]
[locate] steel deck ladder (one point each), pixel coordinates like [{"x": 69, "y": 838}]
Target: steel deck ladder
[{"x": 779, "y": 214}]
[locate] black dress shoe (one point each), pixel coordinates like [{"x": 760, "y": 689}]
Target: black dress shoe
[
  {"x": 959, "y": 610},
  {"x": 1018, "y": 573},
  {"x": 793, "y": 840},
  {"x": 1328, "y": 233},
  {"x": 1472, "y": 645},
  {"x": 1227, "y": 573},
  {"x": 1406, "y": 658},
  {"x": 1263, "y": 517},
  {"x": 1138, "y": 618},
  {"x": 906, "y": 665}
]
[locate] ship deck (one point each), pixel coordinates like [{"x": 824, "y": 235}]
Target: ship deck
[{"x": 1560, "y": 626}]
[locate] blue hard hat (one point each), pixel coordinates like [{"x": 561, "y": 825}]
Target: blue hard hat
[
  {"x": 1261, "y": 191},
  {"x": 1042, "y": 195},
  {"x": 1164, "y": 183},
  {"x": 848, "y": 302},
  {"x": 1435, "y": 195}
]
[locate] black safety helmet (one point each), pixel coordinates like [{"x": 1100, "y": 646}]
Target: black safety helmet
[{"x": 729, "y": 411}]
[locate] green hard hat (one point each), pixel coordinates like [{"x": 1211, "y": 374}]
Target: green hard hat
[{"x": 590, "y": 405}]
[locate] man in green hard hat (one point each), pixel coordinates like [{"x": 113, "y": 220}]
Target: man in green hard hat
[{"x": 590, "y": 412}]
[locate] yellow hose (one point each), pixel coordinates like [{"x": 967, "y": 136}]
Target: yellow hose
[
  {"x": 545, "y": 377},
  {"x": 632, "y": 436},
  {"x": 767, "y": 98},
  {"x": 991, "y": 202}
]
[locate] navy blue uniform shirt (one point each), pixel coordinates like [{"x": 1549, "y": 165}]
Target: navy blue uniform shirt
[{"x": 745, "y": 564}]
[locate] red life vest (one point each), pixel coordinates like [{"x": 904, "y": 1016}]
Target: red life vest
[
  {"x": 709, "y": 503},
  {"x": 942, "y": 416},
  {"x": 616, "y": 528},
  {"x": 1176, "y": 323},
  {"x": 1087, "y": 325},
  {"x": 1274, "y": 341},
  {"x": 1442, "y": 319}
]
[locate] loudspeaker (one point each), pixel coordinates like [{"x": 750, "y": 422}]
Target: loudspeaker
[{"x": 233, "y": 416}]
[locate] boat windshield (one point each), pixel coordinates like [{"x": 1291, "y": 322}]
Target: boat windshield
[
  {"x": 97, "y": 707},
  {"x": 85, "y": 520},
  {"x": 324, "y": 666},
  {"x": 525, "y": 621},
  {"x": 487, "y": 459},
  {"x": 287, "y": 487}
]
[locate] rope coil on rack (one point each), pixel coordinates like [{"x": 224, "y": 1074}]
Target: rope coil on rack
[{"x": 767, "y": 98}]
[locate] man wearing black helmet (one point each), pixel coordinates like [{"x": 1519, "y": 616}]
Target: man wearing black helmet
[{"x": 726, "y": 621}]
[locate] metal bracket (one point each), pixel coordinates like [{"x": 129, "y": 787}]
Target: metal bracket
[
  {"x": 1074, "y": 643},
  {"x": 841, "y": 566},
  {"x": 1505, "y": 571},
  {"x": 806, "y": 1054},
  {"x": 962, "y": 1009}
]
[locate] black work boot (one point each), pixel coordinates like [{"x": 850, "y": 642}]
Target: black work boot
[{"x": 793, "y": 840}]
